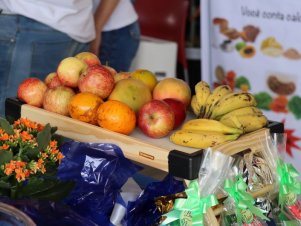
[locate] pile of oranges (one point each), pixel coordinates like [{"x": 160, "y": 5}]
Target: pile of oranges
[{"x": 111, "y": 114}]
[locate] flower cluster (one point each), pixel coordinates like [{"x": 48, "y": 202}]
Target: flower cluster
[{"x": 23, "y": 152}]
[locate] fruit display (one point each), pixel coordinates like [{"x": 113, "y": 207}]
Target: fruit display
[
  {"x": 85, "y": 90},
  {"x": 221, "y": 115}
]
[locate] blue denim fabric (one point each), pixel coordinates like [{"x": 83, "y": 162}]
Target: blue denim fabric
[
  {"x": 119, "y": 47},
  {"x": 29, "y": 49}
]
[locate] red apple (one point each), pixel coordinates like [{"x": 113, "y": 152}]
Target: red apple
[
  {"x": 179, "y": 110},
  {"x": 89, "y": 58},
  {"x": 97, "y": 80},
  {"x": 52, "y": 80},
  {"x": 31, "y": 91},
  {"x": 69, "y": 71},
  {"x": 112, "y": 70},
  {"x": 156, "y": 119},
  {"x": 57, "y": 99}
]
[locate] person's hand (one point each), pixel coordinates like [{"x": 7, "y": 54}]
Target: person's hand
[{"x": 95, "y": 44}]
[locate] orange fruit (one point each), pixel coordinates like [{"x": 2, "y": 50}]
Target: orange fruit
[
  {"x": 116, "y": 116},
  {"x": 83, "y": 106}
]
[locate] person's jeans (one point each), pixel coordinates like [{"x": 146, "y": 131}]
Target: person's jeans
[
  {"x": 119, "y": 47},
  {"x": 29, "y": 49}
]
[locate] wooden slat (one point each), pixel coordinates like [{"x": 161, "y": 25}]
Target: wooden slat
[{"x": 254, "y": 141}]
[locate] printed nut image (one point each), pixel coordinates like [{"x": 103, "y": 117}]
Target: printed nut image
[
  {"x": 280, "y": 87},
  {"x": 249, "y": 33},
  {"x": 271, "y": 47},
  {"x": 222, "y": 23},
  {"x": 292, "y": 54}
]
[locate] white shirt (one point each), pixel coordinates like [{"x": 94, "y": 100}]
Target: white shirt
[
  {"x": 73, "y": 17},
  {"x": 123, "y": 15}
]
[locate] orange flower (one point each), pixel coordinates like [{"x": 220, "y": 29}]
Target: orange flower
[
  {"x": 9, "y": 168},
  {"x": 40, "y": 163},
  {"x": 40, "y": 127},
  {"x": 25, "y": 136},
  {"x": 17, "y": 122},
  {"x": 4, "y": 147},
  {"x": 60, "y": 156},
  {"x": 20, "y": 175},
  {"x": 20, "y": 164},
  {"x": 27, "y": 172},
  {"x": 43, "y": 169},
  {"x": 53, "y": 144},
  {"x": 44, "y": 155},
  {"x": 54, "y": 151},
  {"x": 4, "y": 136}
]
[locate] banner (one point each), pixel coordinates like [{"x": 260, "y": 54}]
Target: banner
[{"x": 255, "y": 46}]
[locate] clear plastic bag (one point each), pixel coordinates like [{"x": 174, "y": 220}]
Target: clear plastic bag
[{"x": 215, "y": 168}]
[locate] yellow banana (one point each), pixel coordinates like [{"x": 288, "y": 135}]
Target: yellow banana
[
  {"x": 200, "y": 139},
  {"x": 247, "y": 122},
  {"x": 195, "y": 106},
  {"x": 210, "y": 125},
  {"x": 215, "y": 96},
  {"x": 242, "y": 111},
  {"x": 202, "y": 91},
  {"x": 232, "y": 102}
]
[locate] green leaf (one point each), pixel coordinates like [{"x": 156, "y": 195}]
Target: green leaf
[
  {"x": 5, "y": 157},
  {"x": 57, "y": 192},
  {"x": 263, "y": 100},
  {"x": 4, "y": 124},
  {"x": 31, "y": 153},
  {"x": 294, "y": 105},
  {"x": 35, "y": 185},
  {"x": 53, "y": 130},
  {"x": 4, "y": 185},
  {"x": 44, "y": 137},
  {"x": 4, "y": 192},
  {"x": 49, "y": 189}
]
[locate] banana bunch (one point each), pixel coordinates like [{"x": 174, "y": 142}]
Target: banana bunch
[
  {"x": 203, "y": 133},
  {"x": 247, "y": 119},
  {"x": 233, "y": 109}
]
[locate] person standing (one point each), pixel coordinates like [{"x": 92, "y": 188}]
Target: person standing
[
  {"x": 117, "y": 33},
  {"x": 36, "y": 35}
]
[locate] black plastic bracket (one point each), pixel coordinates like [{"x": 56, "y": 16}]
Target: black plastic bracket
[
  {"x": 183, "y": 165},
  {"x": 13, "y": 109}
]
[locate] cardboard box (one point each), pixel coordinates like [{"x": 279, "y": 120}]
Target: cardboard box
[{"x": 156, "y": 55}]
